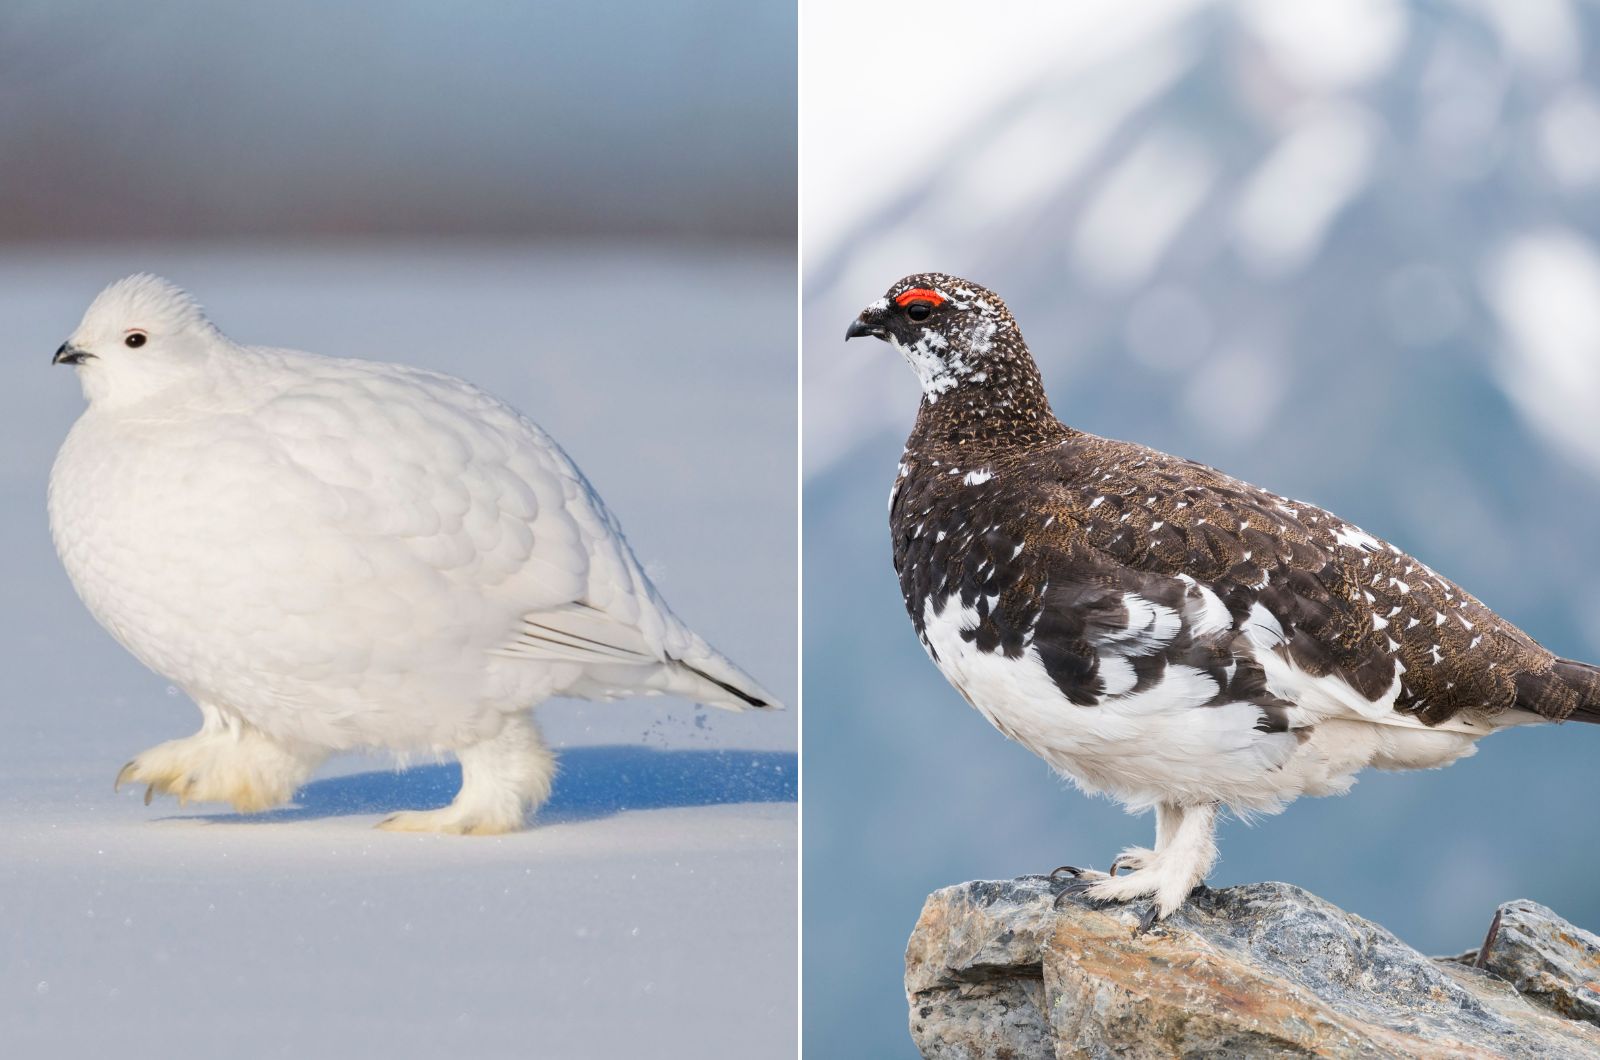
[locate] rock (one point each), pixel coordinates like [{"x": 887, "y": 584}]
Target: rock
[
  {"x": 1545, "y": 958},
  {"x": 994, "y": 971}
]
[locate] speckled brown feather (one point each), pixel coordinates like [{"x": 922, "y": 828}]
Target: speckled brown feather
[{"x": 1043, "y": 529}]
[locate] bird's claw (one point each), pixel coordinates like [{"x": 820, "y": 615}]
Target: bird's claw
[
  {"x": 1148, "y": 920},
  {"x": 128, "y": 772},
  {"x": 1073, "y": 881},
  {"x": 177, "y": 785},
  {"x": 1152, "y": 916},
  {"x": 1078, "y": 881}
]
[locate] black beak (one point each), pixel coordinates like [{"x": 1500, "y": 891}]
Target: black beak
[
  {"x": 67, "y": 353},
  {"x": 868, "y": 323}
]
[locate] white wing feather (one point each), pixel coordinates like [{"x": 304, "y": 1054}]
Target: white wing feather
[{"x": 480, "y": 495}]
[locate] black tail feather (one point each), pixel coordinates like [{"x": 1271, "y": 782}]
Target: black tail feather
[
  {"x": 725, "y": 686},
  {"x": 1583, "y": 683}
]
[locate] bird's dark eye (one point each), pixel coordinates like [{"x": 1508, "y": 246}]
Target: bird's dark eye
[
  {"x": 919, "y": 310},
  {"x": 135, "y": 339}
]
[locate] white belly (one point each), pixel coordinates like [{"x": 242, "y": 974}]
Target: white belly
[
  {"x": 238, "y": 584},
  {"x": 1168, "y": 743}
]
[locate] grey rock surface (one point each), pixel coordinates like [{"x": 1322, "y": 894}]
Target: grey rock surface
[
  {"x": 996, "y": 971},
  {"x": 1545, "y": 958}
]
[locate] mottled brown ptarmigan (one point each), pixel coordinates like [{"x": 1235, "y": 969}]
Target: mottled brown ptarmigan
[{"x": 1159, "y": 631}]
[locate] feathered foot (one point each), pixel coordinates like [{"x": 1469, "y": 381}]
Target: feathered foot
[
  {"x": 1185, "y": 851},
  {"x": 503, "y": 780},
  {"x": 226, "y": 761}
]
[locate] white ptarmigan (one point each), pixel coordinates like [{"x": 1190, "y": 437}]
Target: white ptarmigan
[
  {"x": 1160, "y": 632},
  {"x": 330, "y": 554}
]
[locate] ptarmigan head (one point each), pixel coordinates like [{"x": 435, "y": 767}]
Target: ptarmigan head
[
  {"x": 952, "y": 331},
  {"x": 140, "y": 336}
]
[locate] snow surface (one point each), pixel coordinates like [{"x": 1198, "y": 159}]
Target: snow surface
[{"x": 652, "y": 909}]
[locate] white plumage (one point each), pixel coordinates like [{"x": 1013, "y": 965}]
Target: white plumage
[{"x": 329, "y": 554}]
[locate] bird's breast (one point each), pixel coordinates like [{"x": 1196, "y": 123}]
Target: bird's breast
[
  {"x": 957, "y": 532},
  {"x": 215, "y": 563}
]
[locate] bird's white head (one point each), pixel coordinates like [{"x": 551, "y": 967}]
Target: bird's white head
[{"x": 141, "y": 336}]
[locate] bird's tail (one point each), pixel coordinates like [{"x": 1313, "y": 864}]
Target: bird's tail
[
  {"x": 707, "y": 676},
  {"x": 1568, "y": 691},
  {"x": 618, "y": 660}
]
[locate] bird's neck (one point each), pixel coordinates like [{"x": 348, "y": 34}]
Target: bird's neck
[{"x": 1001, "y": 406}]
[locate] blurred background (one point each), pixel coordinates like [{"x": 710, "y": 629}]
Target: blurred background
[
  {"x": 587, "y": 210},
  {"x": 191, "y": 120},
  {"x": 1345, "y": 249}
]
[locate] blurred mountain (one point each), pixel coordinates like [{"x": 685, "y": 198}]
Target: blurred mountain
[
  {"x": 187, "y": 119},
  {"x": 1344, "y": 250}
]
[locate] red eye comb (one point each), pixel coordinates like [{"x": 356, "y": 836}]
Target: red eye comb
[{"x": 918, "y": 294}]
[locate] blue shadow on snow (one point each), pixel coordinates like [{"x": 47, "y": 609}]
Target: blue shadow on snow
[{"x": 592, "y": 782}]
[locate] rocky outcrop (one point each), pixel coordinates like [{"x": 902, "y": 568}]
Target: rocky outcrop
[{"x": 996, "y": 970}]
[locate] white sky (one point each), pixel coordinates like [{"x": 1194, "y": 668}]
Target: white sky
[{"x": 884, "y": 86}]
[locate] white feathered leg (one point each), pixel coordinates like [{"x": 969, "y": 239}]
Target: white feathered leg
[
  {"x": 1186, "y": 849},
  {"x": 503, "y": 780},
  {"x": 1136, "y": 858},
  {"x": 228, "y": 760},
  {"x": 1184, "y": 853}
]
